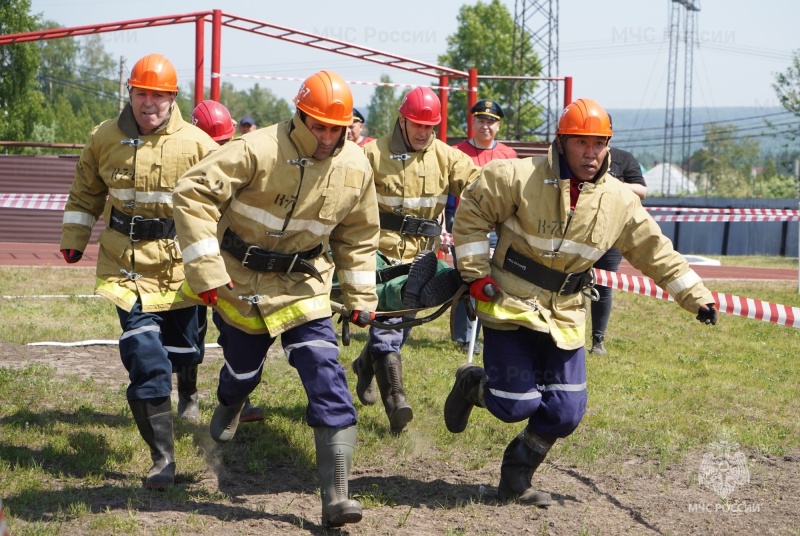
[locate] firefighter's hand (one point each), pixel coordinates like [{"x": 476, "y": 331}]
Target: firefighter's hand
[
  {"x": 483, "y": 289},
  {"x": 72, "y": 255},
  {"x": 361, "y": 318},
  {"x": 209, "y": 296},
  {"x": 708, "y": 314}
]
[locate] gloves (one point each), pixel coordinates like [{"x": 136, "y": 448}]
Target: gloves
[
  {"x": 209, "y": 296},
  {"x": 361, "y": 318},
  {"x": 483, "y": 289},
  {"x": 708, "y": 314},
  {"x": 72, "y": 255}
]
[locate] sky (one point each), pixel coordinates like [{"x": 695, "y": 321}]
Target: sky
[{"x": 616, "y": 51}]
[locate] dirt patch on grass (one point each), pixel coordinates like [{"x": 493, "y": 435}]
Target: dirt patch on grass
[{"x": 424, "y": 495}]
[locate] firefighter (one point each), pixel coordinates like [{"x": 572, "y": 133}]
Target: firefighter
[
  {"x": 127, "y": 172},
  {"x": 256, "y": 221},
  {"x": 414, "y": 172},
  {"x": 215, "y": 120},
  {"x": 555, "y": 216}
]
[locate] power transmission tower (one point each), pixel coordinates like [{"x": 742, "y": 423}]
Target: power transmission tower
[
  {"x": 688, "y": 74},
  {"x": 672, "y": 77},
  {"x": 535, "y": 53}
]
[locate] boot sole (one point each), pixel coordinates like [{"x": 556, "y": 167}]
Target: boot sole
[
  {"x": 348, "y": 515},
  {"x": 400, "y": 418},
  {"x": 544, "y": 500}
]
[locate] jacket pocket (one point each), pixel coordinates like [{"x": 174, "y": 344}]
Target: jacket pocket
[{"x": 341, "y": 194}]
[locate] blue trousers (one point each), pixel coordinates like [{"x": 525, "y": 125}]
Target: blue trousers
[
  {"x": 154, "y": 344},
  {"x": 601, "y": 309},
  {"x": 311, "y": 348},
  {"x": 384, "y": 341},
  {"x": 529, "y": 377}
]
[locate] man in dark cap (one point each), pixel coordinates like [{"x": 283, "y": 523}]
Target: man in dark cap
[
  {"x": 247, "y": 124},
  {"x": 482, "y": 148},
  {"x": 355, "y": 129}
]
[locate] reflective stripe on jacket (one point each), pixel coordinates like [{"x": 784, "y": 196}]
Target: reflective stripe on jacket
[
  {"x": 268, "y": 191},
  {"x": 135, "y": 174},
  {"x": 519, "y": 198}
]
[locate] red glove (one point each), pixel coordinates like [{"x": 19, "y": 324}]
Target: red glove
[
  {"x": 483, "y": 289},
  {"x": 210, "y": 296},
  {"x": 361, "y": 318},
  {"x": 72, "y": 255}
]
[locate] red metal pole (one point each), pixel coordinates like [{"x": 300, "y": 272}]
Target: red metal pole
[
  {"x": 472, "y": 98},
  {"x": 216, "y": 45},
  {"x": 199, "y": 60},
  {"x": 567, "y": 90},
  {"x": 444, "y": 82}
]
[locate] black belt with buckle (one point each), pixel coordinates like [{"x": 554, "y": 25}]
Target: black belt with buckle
[
  {"x": 139, "y": 228},
  {"x": 544, "y": 277},
  {"x": 410, "y": 225},
  {"x": 261, "y": 260}
]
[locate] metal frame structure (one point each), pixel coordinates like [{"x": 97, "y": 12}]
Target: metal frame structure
[{"x": 218, "y": 20}]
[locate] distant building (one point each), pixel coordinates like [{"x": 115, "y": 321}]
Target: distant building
[{"x": 673, "y": 182}]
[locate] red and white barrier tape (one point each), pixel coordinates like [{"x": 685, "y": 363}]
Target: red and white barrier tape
[
  {"x": 727, "y": 303},
  {"x": 35, "y": 201},
  {"x": 757, "y": 211},
  {"x": 727, "y": 217}
]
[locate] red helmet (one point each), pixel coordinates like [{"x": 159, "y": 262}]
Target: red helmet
[
  {"x": 421, "y": 105},
  {"x": 584, "y": 117},
  {"x": 214, "y": 119},
  {"x": 326, "y": 97},
  {"x": 154, "y": 72}
]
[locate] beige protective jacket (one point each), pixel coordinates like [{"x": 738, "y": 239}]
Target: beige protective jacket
[
  {"x": 416, "y": 184},
  {"x": 136, "y": 174},
  {"x": 258, "y": 187},
  {"x": 531, "y": 215}
]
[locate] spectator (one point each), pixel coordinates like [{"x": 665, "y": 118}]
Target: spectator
[
  {"x": 555, "y": 215},
  {"x": 482, "y": 148},
  {"x": 215, "y": 120},
  {"x": 625, "y": 168},
  {"x": 123, "y": 175},
  {"x": 262, "y": 221},
  {"x": 414, "y": 172},
  {"x": 356, "y": 128},
  {"x": 247, "y": 124}
]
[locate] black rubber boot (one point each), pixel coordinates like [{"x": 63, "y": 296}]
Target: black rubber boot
[
  {"x": 225, "y": 421},
  {"x": 520, "y": 460},
  {"x": 467, "y": 392},
  {"x": 365, "y": 386},
  {"x": 335, "y": 448},
  {"x": 154, "y": 419},
  {"x": 389, "y": 375},
  {"x": 422, "y": 270},
  {"x": 188, "y": 407}
]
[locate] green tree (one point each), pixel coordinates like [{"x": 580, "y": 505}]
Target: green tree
[
  {"x": 382, "y": 109},
  {"x": 20, "y": 98},
  {"x": 726, "y": 162},
  {"x": 485, "y": 40},
  {"x": 787, "y": 85}
]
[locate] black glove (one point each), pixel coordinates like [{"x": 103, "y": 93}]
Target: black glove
[
  {"x": 72, "y": 255},
  {"x": 361, "y": 318},
  {"x": 708, "y": 314}
]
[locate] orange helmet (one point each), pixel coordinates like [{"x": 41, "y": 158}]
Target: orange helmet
[
  {"x": 214, "y": 119},
  {"x": 326, "y": 97},
  {"x": 154, "y": 72},
  {"x": 421, "y": 105},
  {"x": 584, "y": 117}
]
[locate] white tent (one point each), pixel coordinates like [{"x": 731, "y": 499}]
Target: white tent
[{"x": 673, "y": 182}]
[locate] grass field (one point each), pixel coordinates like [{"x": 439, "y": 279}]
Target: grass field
[{"x": 668, "y": 387}]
